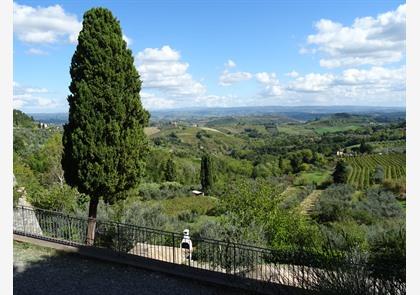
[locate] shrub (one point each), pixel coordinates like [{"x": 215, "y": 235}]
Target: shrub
[
  {"x": 395, "y": 186},
  {"x": 377, "y": 175},
  {"x": 388, "y": 252},
  {"x": 333, "y": 203},
  {"x": 152, "y": 216},
  {"x": 56, "y": 198},
  {"x": 189, "y": 216},
  {"x": 377, "y": 204}
]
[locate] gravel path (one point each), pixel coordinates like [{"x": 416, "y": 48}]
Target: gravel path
[{"x": 38, "y": 270}]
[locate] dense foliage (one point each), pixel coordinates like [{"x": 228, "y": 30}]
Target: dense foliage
[
  {"x": 341, "y": 172},
  {"x": 104, "y": 142},
  {"x": 273, "y": 185},
  {"x": 206, "y": 174},
  {"x": 20, "y": 119}
]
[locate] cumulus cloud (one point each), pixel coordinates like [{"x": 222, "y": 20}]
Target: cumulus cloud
[
  {"x": 166, "y": 75},
  {"x": 312, "y": 82},
  {"x": 377, "y": 85},
  {"x": 368, "y": 41},
  {"x": 292, "y": 74},
  {"x": 31, "y": 98},
  {"x": 270, "y": 84},
  {"x": 151, "y": 101},
  {"x": 227, "y": 78},
  {"x": 375, "y": 76},
  {"x": 44, "y": 24}
]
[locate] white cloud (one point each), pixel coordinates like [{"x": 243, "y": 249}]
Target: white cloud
[
  {"x": 369, "y": 40},
  {"x": 44, "y": 24},
  {"x": 29, "y": 98},
  {"x": 230, "y": 64},
  {"x": 374, "y": 86},
  {"x": 271, "y": 84},
  {"x": 36, "y": 90},
  {"x": 161, "y": 69},
  {"x": 36, "y": 51},
  {"x": 166, "y": 53},
  {"x": 292, "y": 74},
  {"x": 376, "y": 76},
  {"x": 312, "y": 82},
  {"x": 151, "y": 101},
  {"x": 227, "y": 78}
]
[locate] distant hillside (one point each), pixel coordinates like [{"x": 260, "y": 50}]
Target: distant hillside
[
  {"x": 51, "y": 118},
  {"x": 256, "y": 119},
  {"x": 360, "y": 118},
  {"x": 277, "y": 114},
  {"x": 20, "y": 119}
]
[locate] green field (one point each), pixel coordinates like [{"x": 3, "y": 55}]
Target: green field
[
  {"x": 311, "y": 177},
  {"x": 361, "y": 167}
]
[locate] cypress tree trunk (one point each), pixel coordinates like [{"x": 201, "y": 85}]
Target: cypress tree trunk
[{"x": 93, "y": 209}]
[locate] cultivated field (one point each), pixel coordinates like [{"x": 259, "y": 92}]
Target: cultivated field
[{"x": 361, "y": 168}]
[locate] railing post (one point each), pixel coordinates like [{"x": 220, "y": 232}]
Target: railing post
[
  {"x": 173, "y": 247},
  {"x": 234, "y": 259},
  {"x": 118, "y": 238},
  {"x": 23, "y": 220}
]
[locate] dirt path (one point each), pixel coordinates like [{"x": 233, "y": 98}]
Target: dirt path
[{"x": 308, "y": 203}]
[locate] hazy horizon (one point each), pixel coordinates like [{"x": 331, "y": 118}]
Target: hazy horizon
[{"x": 256, "y": 107}]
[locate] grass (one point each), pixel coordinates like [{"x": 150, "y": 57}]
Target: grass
[
  {"x": 151, "y": 130},
  {"x": 25, "y": 254},
  {"x": 200, "y": 221},
  {"x": 312, "y": 177},
  {"x": 200, "y": 204},
  {"x": 215, "y": 140}
]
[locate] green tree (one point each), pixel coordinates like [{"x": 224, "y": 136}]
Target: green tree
[
  {"x": 104, "y": 140},
  {"x": 206, "y": 173},
  {"x": 170, "y": 170},
  {"x": 280, "y": 164},
  {"x": 20, "y": 119},
  {"x": 333, "y": 204},
  {"x": 295, "y": 162},
  {"x": 377, "y": 175},
  {"x": 365, "y": 148},
  {"x": 341, "y": 172}
]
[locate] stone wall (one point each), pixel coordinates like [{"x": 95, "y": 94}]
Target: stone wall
[{"x": 25, "y": 220}]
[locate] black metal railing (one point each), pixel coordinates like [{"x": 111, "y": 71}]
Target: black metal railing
[{"x": 303, "y": 269}]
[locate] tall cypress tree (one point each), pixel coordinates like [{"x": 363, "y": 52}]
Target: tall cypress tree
[
  {"x": 104, "y": 140},
  {"x": 341, "y": 172},
  {"x": 280, "y": 164},
  {"x": 170, "y": 170},
  {"x": 206, "y": 173}
]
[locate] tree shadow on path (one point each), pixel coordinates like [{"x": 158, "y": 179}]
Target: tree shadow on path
[{"x": 68, "y": 273}]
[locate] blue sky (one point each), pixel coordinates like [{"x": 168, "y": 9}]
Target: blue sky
[{"x": 224, "y": 53}]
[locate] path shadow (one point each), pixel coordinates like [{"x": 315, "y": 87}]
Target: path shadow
[{"x": 69, "y": 273}]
